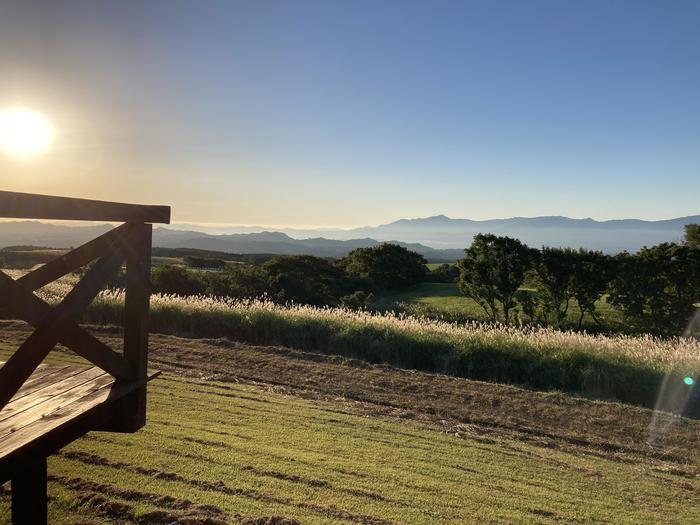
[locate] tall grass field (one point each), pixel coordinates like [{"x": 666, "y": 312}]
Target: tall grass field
[{"x": 625, "y": 368}]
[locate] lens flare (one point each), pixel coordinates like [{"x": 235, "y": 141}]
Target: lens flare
[{"x": 688, "y": 380}]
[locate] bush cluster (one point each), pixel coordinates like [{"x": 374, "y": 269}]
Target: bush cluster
[{"x": 301, "y": 279}]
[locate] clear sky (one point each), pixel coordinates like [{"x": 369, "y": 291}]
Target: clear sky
[{"x": 350, "y": 113}]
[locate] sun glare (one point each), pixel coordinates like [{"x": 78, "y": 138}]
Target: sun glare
[{"x": 24, "y": 133}]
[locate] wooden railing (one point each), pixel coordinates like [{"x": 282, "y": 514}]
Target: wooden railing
[{"x": 128, "y": 243}]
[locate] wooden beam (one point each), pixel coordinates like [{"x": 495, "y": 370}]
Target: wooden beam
[
  {"x": 29, "y": 498},
  {"x": 31, "y": 206},
  {"x": 136, "y": 306}
]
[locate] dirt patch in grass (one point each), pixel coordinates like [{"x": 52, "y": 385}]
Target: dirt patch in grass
[
  {"x": 329, "y": 510},
  {"x": 97, "y": 496}
]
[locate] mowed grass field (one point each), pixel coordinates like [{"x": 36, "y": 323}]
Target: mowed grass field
[
  {"x": 223, "y": 449},
  {"x": 446, "y": 299}
]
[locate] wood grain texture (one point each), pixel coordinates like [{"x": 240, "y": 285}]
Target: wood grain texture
[
  {"x": 51, "y": 415},
  {"x": 31, "y": 206}
]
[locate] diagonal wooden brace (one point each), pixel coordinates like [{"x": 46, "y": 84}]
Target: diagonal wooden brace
[
  {"x": 73, "y": 260},
  {"x": 32, "y": 309},
  {"x": 24, "y": 361}
]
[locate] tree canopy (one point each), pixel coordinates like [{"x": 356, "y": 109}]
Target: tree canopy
[
  {"x": 387, "y": 266},
  {"x": 491, "y": 272}
]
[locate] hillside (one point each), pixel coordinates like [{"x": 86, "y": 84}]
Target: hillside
[{"x": 243, "y": 434}]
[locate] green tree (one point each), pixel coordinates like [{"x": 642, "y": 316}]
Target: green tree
[
  {"x": 692, "y": 236},
  {"x": 445, "y": 273},
  {"x": 491, "y": 272},
  {"x": 554, "y": 271},
  {"x": 178, "y": 280},
  {"x": 305, "y": 279},
  {"x": 242, "y": 281},
  {"x": 385, "y": 267},
  {"x": 658, "y": 287},
  {"x": 591, "y": 275}
]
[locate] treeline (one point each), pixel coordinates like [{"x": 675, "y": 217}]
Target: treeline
[
  {"x": 657, "y": 289},
  {"x": 302, "y": 279}
]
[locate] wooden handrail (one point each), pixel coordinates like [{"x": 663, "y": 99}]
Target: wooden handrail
[
  {"x": 124, "y": 408},
  {"x": 130, "y": 243},
  {"x": 30, "y": 206}
]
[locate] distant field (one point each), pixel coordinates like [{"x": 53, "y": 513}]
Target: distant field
[
  {"x": 219, "y": 447},
  {"x": 27, "y": 257},
  {"x": 446, "y": 299},
  {"x": 157, "y": 260},
  {"x": 433, "y": 266}
]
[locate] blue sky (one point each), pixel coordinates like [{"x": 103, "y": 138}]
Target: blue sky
[{"x": 350, "y": 113}]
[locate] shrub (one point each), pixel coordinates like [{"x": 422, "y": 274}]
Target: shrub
[{"x": 177, "y": 280}]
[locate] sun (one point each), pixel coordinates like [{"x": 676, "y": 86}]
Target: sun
[{"x": 25, "y": 133}]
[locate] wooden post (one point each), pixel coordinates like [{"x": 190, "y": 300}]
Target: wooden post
[
  {"x": 29, "y": 501},
  {"x": 130, "y": 413}
]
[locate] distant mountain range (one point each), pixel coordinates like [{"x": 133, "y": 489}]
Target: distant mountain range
[
  {"x": 438, "y": 238},
  {"x": 281, "y": 243},
  {"x": 609, "y": 236}
]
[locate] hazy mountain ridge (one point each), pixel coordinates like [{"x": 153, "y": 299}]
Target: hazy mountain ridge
[
  {"x": 281, "y": 243},
  {"x": 437, "y": 238}
]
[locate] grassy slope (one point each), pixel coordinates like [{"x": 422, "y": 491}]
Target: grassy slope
[{"x": 249, "y": 449}]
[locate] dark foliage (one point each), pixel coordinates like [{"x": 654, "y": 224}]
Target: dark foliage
[
  {"x": 178, "y": 280},
  {"x": 692, "y": 236},
  {"x": 492, "y": 271},
  {"x": 554, "y": 274},
  {"x": 385, "y": 267},
  {"x": 194, "y": 261},
  {"x": 305, "y": 279},
  {"x": 445, "y": 273},
  {"x": 591, "y": 274},
  {"x": 658, "y": 287},
  {"x": 241, "y": 281}
]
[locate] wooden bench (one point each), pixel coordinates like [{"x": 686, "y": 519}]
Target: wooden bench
[{"x": 43, "y": 408}]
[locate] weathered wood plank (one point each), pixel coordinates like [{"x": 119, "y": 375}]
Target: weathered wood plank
[
  {"x": 39, "y": 381},
  {"x": 31, "y": 206},
  {"x": 46, "y": 410},
  {"x": 12, "y": 445},
  {"x": 39, "y": 375},
  {"x": 49, "y": 391}
]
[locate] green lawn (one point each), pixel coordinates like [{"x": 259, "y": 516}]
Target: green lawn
[
  {"x": 245, "y": 450},
  {"x": 433, "y": 266}
]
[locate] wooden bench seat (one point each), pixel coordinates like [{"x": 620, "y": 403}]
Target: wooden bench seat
[{"x": 53, "y": 407}]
